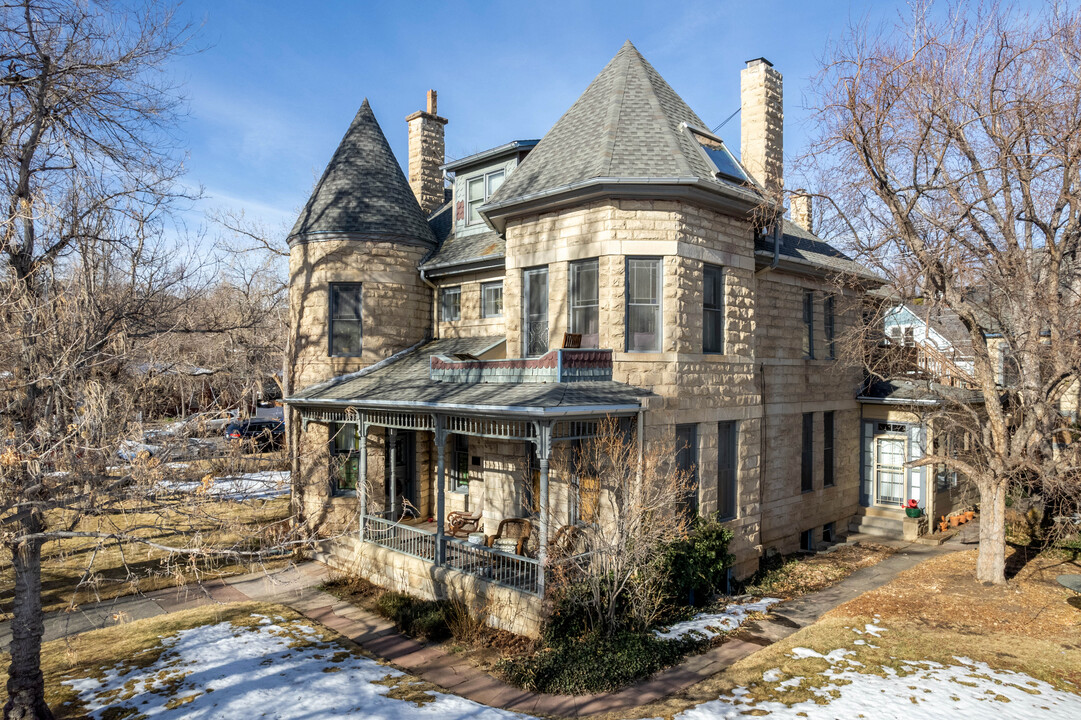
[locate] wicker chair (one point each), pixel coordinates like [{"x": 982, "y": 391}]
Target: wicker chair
[
  {"x": 517, "y": 528},
  {"x": 460, "y": 524},
  {"x": 564, "y": 543}
]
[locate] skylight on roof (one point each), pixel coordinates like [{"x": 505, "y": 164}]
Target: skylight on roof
[{"x": 724, "y": 163}]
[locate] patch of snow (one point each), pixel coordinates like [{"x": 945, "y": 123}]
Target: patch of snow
[
  {"x": 924, "y": 690},
  {"x": 873, "y": 630},
  {"x": 713, "y": 624},
  {"x": 249, "y": 486},
  {"x": 222, "y": 671}
]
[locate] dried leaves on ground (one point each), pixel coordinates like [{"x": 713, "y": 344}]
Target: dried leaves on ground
[{"x": 794, "y": 575}]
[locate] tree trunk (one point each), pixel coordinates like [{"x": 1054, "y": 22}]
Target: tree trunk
[
  {"x": 991, "y": 561},
  {"x": 26, "y": 684}
]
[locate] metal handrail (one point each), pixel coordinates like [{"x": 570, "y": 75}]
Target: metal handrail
[{"x": 513, "y": 571}]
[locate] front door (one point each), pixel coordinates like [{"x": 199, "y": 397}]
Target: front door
[
  {"x": 889, "y": 470},
  {"x": 404, "y": 494}
]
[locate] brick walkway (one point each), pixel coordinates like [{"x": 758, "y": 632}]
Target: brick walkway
[{"x": 296, "y": 587}]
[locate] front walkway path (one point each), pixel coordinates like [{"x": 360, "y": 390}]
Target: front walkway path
[{"x": 296, "y": 587}]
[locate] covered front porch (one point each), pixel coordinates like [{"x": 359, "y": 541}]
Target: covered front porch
[{"x": 429, "y": 508}]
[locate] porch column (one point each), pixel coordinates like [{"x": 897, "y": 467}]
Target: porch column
[
  {"x": 362, "y": 471},
  {"x": 440, "y": 481},
  {"x": 392, "y": 435},
  {"x": 544, "y": 451}
]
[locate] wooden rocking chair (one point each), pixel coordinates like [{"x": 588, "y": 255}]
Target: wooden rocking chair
[{"x": 517, "y": 528}]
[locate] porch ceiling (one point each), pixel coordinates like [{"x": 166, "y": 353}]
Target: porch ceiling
[{"x": 405, "y": 385}]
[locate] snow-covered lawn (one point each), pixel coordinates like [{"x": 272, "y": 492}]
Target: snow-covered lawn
[
  {"x": 277, "y": 670},
  {"x": 248, "y": 486},
  {"x": 913, "y": 690},
  {"x": 713, "y": 624}
]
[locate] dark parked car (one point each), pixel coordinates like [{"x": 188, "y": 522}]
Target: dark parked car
[{"x": 263, "y": 433}]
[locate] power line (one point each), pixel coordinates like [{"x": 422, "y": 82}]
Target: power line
[{"x": 725, "y": 122}]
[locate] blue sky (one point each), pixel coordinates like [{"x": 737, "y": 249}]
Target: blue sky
[{"x": 278, "y": 82}]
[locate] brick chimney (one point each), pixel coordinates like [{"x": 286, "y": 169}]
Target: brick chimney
[
  {"x": 761, "y": 125},
  {"x": 426, "y": 155},
  {"x": 801, "y": 210}
]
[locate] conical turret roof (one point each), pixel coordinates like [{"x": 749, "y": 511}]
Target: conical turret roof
[
  {"x": 363, "y": 190},
  {"x": 627, "y": 125}
]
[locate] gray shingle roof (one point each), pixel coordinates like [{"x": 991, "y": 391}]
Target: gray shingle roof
[
  {"x": 625, "y": 125},
  {"x": 405, "y": 382},
  {"x": 363, "y": 190},
  {"x": 463, "y": 250},
  {"x": 803, "y": 247},
  {"x": 916, "y": 392}
]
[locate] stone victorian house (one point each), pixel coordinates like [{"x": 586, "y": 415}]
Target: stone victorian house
[{"x": 450, "y": 345}]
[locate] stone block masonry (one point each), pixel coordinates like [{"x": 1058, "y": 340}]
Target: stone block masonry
[{"x": 426, "y": 153}]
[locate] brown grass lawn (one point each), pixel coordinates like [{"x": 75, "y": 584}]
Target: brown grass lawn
[
  {"x": 934, "y": 611},
  {"x": 138, "y": 644},
  {"x": 796, "y": 575},
  {"x": 106, "y": 571}
]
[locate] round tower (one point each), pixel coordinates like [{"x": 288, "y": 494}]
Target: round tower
[
  {"x": 355, "y": 297},
  {"x": 355, "y": 293}
]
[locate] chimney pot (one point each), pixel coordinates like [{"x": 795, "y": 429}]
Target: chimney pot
[
  {"x": 762, "y": 124},
  {"x": 432, "y": 102}
]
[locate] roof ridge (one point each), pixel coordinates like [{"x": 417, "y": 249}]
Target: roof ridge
[
  {"x": 655, "y": 101},
  {"x": 615, "y": 110}
]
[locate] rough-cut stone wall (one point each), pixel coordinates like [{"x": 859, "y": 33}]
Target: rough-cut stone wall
[
  {"x": 426, "y": 154},
  {"x": 761, "y": 123},
  {"x": 392, "y": 289},
  {"x": 396, "y": 305},
  {"x": 500, "y": 607},
  {"x": 691, "y": 387},
  {"x": 470, "y": 324},
  {"x": 793, "y": 385}
]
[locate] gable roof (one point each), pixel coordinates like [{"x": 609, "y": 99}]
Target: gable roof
[
  {"x": 363, "y": 190},
  {"x": 626, "y": 126}
]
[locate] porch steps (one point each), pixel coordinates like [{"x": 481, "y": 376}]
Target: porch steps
[{"x": 891, "y": 526}]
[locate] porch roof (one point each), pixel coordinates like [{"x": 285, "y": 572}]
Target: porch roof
[{"x": 405, "y": 384}]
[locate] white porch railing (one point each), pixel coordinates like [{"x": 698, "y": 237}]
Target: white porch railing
[
  {"x": 513, "y": 571},
  {"x": 396, "y": 536}
]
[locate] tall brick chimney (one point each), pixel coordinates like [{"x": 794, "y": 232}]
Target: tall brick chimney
[
  {"x": 426, "y": 155},
  {"x": 801, "y": 210},
  {"x": 761, "y": 126}
]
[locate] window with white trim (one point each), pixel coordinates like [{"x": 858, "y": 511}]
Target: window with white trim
[
  {"x": 478, "y": 190},
  {"x": 644, "y": 304},
  {"x": 491, "y": 300},
  {"x": 584, "y": 305},
  {"x": 451, "y": 303}
]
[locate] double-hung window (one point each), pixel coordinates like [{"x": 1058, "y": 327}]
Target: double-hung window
[
  {"x": 346, "y": 328},
  {"x": 452, "y": 303},
  {"x": 344, "y": 443},
  {"x": 727, "y": 468},
  {"x": 535, "y": 311},
  {"x": 478, "y": 190},
  {"x": 713, "y": 309},
  {"x": 584, "y": 306},
  {"x": 644, "y": 304},
  {"x": 827, "y": 449},
  {"x": 687, "y": 462},
  {"x": 459, "y": 469},
  {"x": 807, "y": 461},
  {"x": 491, "y": 300},
  {"x": 829, "y": 309},
  {"x": 809, "y": 324}
]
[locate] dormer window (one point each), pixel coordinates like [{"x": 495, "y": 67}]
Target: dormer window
[
  {"x": 724, "y": 163},
  {"x": 478, "y": 190}
]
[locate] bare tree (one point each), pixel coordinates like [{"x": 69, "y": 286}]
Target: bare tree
[
  {"x": 950, "y": 146},
  {"x": 616, "y": 567},
  {"x": 93, "y": 281}
]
